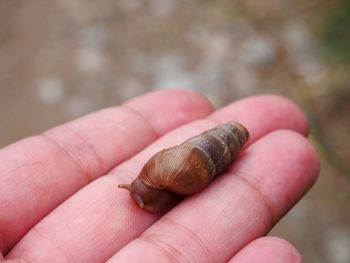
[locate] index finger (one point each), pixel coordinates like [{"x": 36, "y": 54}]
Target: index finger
[{"x": 38, "y": 173}]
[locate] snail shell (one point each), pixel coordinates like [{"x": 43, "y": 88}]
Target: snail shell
[{"x": 187, "y": 168}]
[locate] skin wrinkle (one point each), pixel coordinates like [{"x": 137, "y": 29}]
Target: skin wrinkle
[
  {"x": 3, "y": 243},
  {"x": 53, "y": 245},
  {"x": 195, "y": 238},
  {"x": 38, "y": 162},
  {"x": 262, "y": 196},
  {"x": 166, "y": 248},
  {"x": 85, "y": 171},
  {"x": 89, "y": 145},
  {"x": 23, "y": 259},
  {"x": 135, "y": 112},
  {"x": 76, "y": 160},
  {"x": 238, "y": 232}
]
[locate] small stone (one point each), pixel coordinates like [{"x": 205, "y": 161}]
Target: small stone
[
  {"x": 89, "y": 59},
  {"x": 169, "y": 72},
  {"x": 78, "y": 106},
  {"x": 130, "y": 5},
  {"x": 50, "y": 91},
  {"x": 337, "y": 243},
  {"x": 257, "y": 51},
  {"x": 162, "y": 7}
]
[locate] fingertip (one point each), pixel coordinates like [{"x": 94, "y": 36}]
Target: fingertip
[
  {"x": 287, "y": 167},
  {"x": 282, "y": 245},
  {"x": 300, "y": 122},
  {"x": 189, "y": 95},
  {"x": 268, "y": 249},
  {"x": 193, "y": 99},
  {"x": 307, "y": 155},
  {"x": 254, "y": 113}
]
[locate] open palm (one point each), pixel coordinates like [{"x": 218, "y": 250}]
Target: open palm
[{"x": 59, "y": 201}]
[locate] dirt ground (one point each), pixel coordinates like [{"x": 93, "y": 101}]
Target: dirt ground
[{"x": 62, "y": 59}]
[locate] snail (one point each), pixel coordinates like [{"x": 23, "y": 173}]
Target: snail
[{"x": 187, "y": 168}]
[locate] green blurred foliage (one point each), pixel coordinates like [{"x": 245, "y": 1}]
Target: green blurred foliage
[{"x": 335, "y": 34}]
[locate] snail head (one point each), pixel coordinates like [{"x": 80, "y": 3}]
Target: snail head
[{"x": 148, "y": 198}]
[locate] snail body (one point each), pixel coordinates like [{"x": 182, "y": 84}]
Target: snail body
[{"x": 187, "y": 168}]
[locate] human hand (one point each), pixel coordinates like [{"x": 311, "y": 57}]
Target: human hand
[{"x": 59, "y": 201}]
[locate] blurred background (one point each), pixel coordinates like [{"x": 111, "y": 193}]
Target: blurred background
[{"x": 61, "y": 59}]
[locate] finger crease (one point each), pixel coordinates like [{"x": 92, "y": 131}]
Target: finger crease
[
  {"x": 92, "y": 148},
  {"x": 53, "y": 244},
  {"x": 193, "y": 237},
  {"x": 85, "y": 171},
  {"x": 166, "y": 248},
  {"x": 24, "y": 259},
  {"x": 143, "y": 117},
  {"x": 262, "y": 196}
]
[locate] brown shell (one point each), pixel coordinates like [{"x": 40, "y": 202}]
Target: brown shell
[
  {"x": 183, "y": 170},
  {"x": 187, "y": 168}
]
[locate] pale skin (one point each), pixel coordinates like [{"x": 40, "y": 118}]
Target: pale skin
[{"x": 59, "y": 201}]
